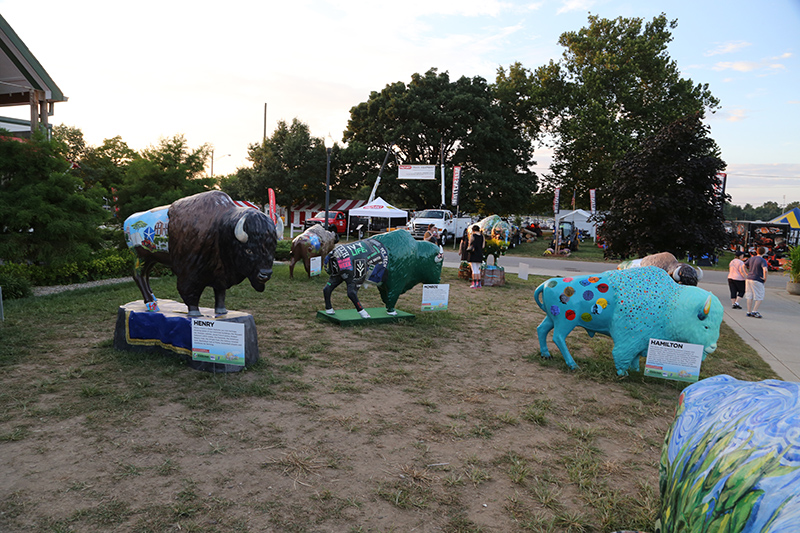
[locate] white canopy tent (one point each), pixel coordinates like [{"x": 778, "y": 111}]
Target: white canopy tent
[
  {"x": 379, "y": 208},
  {"x": 580, "y": 218}
]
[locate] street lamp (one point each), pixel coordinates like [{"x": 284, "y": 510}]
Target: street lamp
[
  {"x": 212, "y": 161},
  {"x": 328, "y": 146}
]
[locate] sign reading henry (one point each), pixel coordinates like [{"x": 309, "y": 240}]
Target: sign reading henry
[
  {"x": 215, "y": 341},
  {"x": 679, "y": 361}
]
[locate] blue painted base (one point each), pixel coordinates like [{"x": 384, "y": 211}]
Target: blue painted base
[{"x": 169, "y": 331}]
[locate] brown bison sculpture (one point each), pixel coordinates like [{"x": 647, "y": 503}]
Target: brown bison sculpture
[
  {"x": 208, "y": 241},
  {"x": 313, "y": 242}
]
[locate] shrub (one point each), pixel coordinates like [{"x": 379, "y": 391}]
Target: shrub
[
  {"x": 283, "y": 250},
  {"x": 14, "y": 286}
]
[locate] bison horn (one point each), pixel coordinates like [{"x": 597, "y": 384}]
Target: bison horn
[
  {"x": 239, "y": 232},
  {"x": 676, "y": 274},
  {"x": 699, "y": 273},
  {"x": 702, "y": 315}
]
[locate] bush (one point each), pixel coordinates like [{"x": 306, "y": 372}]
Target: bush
[
  {"x": 108, "y": 263},
  {"x": 283, "y": 250},
  {"x": 15, "y": 286}
]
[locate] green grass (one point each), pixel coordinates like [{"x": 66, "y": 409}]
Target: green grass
[{"x": 417, "y": 421}]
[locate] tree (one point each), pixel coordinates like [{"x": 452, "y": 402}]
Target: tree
[
  {"x": 432, "y": 116},
  {"x": 614, "y": 86},
  {"x": 766, "y": 211},
  {"x": 47, "y": 215},
  {"x": 71, "y": 143},
  {"x": 291, "y": 162},
  {"x": 162, "y": 174},
  {"x": 666, "y": 196}
]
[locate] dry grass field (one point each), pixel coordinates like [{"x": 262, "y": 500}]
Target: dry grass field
[{"x": 450, "y": 422}]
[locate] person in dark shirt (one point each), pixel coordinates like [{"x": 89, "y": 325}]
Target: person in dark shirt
[
  {"x": 475, "y": 250},
  {"x": 757, "y": 269}
]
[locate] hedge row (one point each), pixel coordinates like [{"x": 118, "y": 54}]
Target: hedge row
[
  {"x": 107, "y": 264},
  {"x": 16, "y": 279}
]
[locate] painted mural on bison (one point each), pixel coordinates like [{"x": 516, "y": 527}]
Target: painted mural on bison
[
  {"x": 393, "y": 261},
  {"x": 631, "y": 306}
]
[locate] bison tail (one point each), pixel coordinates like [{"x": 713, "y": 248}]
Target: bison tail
[{"x": 537, "y": 294}]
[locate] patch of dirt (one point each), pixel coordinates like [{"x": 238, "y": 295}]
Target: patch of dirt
[{"x": 434, "y": 425}]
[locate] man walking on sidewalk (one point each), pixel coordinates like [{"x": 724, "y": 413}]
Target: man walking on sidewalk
[{"x": 754, "y": 284}]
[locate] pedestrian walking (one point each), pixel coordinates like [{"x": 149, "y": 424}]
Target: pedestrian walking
[
  {"x": 754, "y": 283},
  {"x": 737, "y": 274}
]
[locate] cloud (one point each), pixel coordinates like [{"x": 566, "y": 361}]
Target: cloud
[
  {"x": 575, "y": 5},
  {"x": 739, "y": 66},
  {"x": 727, "y": 48},
  {"x": 735, "y": 115}
]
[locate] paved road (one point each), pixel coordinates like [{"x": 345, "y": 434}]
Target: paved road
[{"x": 774, "y": 337}]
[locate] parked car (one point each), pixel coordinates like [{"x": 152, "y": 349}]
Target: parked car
[{"x": 337, "y": 221}]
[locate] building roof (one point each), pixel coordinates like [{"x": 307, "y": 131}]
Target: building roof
[{"x": 23, "y": 80}]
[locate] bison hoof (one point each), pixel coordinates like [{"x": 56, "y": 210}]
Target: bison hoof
[
  {"x": 222, "y": 311},
  {"x": 391, "y": 313},
  {"x": 329, "y": 311},
  {"x": 363, "y": 313},
  {"x": 195, "y": 312}
]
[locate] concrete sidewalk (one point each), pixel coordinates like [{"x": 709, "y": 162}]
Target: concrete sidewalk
[{"x": 772, "y": 336}]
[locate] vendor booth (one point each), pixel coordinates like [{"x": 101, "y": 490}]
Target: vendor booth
[
  {"x": 379, "y": 208},
  {"x": 793, "y": 219}
]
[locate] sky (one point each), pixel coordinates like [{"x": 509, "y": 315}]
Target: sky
[{"x": 150, "y": 69}]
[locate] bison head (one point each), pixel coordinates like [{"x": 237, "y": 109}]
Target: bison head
[
  {"x": 696, "y": 318},
  {"x": 430, "y": 260},
  {"x": 687, "y": 274},
  {"x": 255, "y": 250}
]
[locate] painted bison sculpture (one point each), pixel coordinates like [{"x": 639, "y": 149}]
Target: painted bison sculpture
[
  {"x": 731, "y": 458},
  {"x": 313, "y": 242},
  {"x": 497, "y": 233},
  {"x": 392, "y": 261},
  {"x": 631, "y": 306},
  {"x": 680, "y": 272},
  {"x": 208, "y": 241}
]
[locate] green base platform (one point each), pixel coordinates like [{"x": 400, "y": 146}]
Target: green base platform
[{"x": 350, "y": 317}]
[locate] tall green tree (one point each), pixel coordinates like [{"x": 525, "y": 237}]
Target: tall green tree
[
  {"x": 614, "y": 86},
  {"x": 290, "y": 161},
  {"x": 162, "y": 174},
  {"x": 71, "y": 143},
  {"x": 46, "y": 214},
  {"x": 462, "y": 120},
  {"x": 666, "y": 196}
]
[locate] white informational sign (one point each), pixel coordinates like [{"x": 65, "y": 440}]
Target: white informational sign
[
  {"x": 679, "y": 361},
  {"x": 316, "y": 265},
  {"x": 435, "y": 297},
  {"x": 215, "y": 341},
  {"x": 416, "y": 172},
  {"x": 523, "y": 271}
]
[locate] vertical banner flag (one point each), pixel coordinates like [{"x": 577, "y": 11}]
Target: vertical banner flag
[
  {"x": 555, "y": 200},
  {"x": 573, "y": 199},
  {"x": 456, "y": 184},
  {"x": 272, "y": 205},
  {"x": 592, "y": 200}
]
